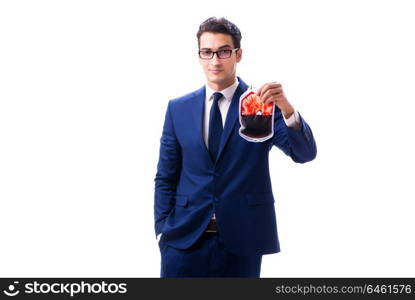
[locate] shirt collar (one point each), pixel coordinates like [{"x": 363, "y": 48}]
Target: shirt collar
[{"x": 227, "y": 93}]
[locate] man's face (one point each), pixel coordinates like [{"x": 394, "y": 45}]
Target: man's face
[{"x": 220, "y": 72}]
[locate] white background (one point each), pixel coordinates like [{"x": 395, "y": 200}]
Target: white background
[{"x": 83, "y": 91}]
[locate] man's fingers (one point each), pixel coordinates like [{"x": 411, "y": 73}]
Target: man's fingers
[
  {"x": 271, "y": 92},
  {"x": 267, "y": 86},
  {"x": 258, "y": 91}
]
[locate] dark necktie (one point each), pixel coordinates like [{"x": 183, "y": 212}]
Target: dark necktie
[{"x": 215, "y": 127}]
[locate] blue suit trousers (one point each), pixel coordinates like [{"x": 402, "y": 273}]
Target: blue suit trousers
[{"x": 207, "y": 258}]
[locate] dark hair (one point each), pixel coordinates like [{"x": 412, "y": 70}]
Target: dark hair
[{"x": 220, "y": 25}]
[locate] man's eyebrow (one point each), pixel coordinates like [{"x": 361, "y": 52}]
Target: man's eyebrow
[{"x": 224, "y": 46}]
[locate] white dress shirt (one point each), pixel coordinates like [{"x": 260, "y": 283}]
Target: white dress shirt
[{"x": 224, "y": 103}]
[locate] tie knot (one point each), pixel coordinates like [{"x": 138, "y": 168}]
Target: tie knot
[{"x": 217, "y": 96}]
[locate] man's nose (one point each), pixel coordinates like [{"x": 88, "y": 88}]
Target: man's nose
[{"x": 215, "y": 60}]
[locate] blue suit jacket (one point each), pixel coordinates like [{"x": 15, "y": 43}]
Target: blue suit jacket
[{"x": 190, "y": 187}]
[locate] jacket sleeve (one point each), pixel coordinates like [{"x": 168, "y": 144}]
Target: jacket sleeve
[
  {"x": 168, "y": 172},
  {"x": 299, "y": 143}
]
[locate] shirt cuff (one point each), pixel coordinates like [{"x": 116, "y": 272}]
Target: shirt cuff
[{"x": 293, "y": 121}]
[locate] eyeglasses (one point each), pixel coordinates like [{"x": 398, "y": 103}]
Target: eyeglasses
[{"x": 208, "y": 54}]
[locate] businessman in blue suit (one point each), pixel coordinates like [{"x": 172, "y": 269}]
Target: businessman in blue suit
[{"x": 214, "y": 208}]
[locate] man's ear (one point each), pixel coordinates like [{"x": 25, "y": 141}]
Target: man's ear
[{"x": 239, "y": 55}]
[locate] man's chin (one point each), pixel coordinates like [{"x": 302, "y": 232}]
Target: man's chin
[{"x": 216, "y": 78}]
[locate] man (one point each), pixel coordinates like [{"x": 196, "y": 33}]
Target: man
[{"x": 214, "y": 207}]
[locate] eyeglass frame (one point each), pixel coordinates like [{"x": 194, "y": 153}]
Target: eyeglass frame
[{"x": 217, "y": 55}]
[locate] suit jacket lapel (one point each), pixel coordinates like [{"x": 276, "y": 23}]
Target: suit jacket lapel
[
  {"x": 198, "y": 120},
  {"x": 232, "y": 115}
]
